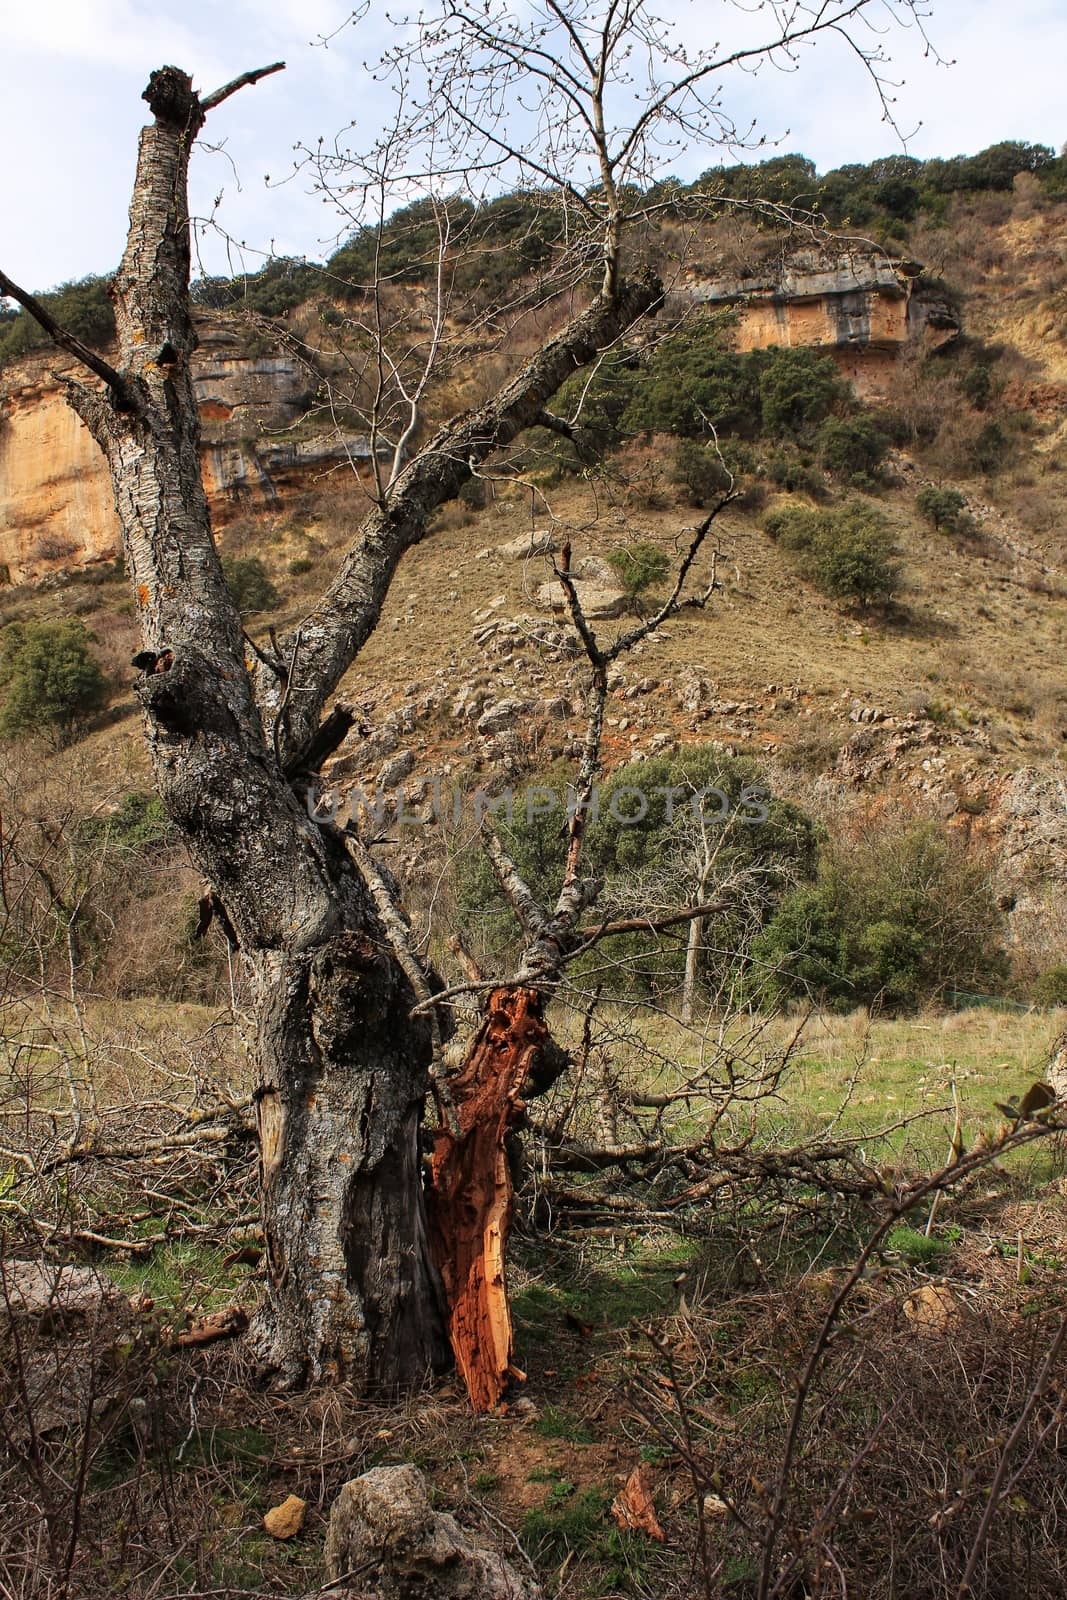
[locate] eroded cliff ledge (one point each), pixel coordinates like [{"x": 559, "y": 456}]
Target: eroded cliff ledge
[
  {"x": 262, "y": 432},
  {"x": 863, "y": 308},
  {"x": 260, "y": 436}
]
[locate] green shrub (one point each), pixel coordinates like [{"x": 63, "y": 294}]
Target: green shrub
[
  {"x": 847, "y": 553},
  {"x": 852, "y": 447},
  {"x": 989, "y": 450},
  {"x": 247, "y": 580},
  {"x": 48, "y": 678},
  {"x": 976, "y": 385},
  {"x": 851, "y": 557},
  {"x": 944, "y": 509},
  {"x": 638, "y": 566},
  {"x": 692, "y": 384},
  {"x": 794, "y": 527},
  {"x": 139, "y": 821},
  {"x": 895, "y": 919},
  {"x": 789, "y": 468},
  {"x": 1050, "y": 988},
  {"x": 798, "y": 388},
  {"x": 762, "y": 844},
  {"x": 704, "y": 471},
  {"x": 82, "y": 307}
]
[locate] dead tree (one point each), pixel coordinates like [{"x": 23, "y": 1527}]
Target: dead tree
[{"x": 343, "y": 1043}]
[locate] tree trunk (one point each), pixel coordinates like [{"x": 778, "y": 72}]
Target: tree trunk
[
  {"x": 471, "y": 1197},
  {"x": 352, "y": 1292},
  {"x": 692, "y": 964}
]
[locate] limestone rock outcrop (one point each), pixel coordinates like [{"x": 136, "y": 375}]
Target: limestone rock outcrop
[
  {"x": 861, "y": 307},
  {"x": 1028, "y": 823},
  {"x": 383, "y": 1528}
]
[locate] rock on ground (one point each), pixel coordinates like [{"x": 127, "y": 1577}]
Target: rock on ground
[
  {"x": 539, "y": 542},
  {"x": 52, "y": 1296},
  {"x": 73, "y": 1331},
  {"x": 596, "y": 599},
  {"x": 384, "y": 1533}
]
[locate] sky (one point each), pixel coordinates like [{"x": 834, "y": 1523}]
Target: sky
[{"x": 72, "y": 72}]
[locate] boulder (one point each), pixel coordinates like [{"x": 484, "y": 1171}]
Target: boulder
[
  {"x": 501, "y": 716},
  {"x": 383, "y": 1528},
  {"x": 538, "y": 542},
  {"x": 489, "y": 610},
  {"x": 50, "y": 1296},
  {"x": 396, "y": 769},
  {"x": 78, "y": 1354},
  {"x": 597, "y": 600},
  {"x": 594, "y": 569}
]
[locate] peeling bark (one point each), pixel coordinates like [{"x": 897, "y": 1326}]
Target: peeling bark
[{"x": 471, "y": 1196}]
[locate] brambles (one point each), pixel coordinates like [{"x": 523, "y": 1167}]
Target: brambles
[{"x": 49, "y": 678}]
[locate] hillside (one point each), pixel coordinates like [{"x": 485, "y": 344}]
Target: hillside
[{"x": 948, "y": 702}]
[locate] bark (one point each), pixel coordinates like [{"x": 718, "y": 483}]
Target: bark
[
  {"x": 471, "y": 1198},
  {"x": 351, "y": 1291}
]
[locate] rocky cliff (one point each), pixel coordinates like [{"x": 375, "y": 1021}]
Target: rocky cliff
[
  {"x": 863, "y": 308},
  {"x": 259, "y": 438},
  {"x": 260, "y": 435}
]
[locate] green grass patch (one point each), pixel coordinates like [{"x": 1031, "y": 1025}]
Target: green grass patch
[
  {"x": 580, "y": 1526},
  {"x": 181, "y": 1275},
  {"x": 556, "y": 1423},
  {"x": 917, "y": 1249}
]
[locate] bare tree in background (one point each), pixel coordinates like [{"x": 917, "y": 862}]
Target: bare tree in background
[{"x": 586, "y": 100}]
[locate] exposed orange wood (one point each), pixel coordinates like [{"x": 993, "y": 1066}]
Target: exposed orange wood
[{"x": 470, "y": 1201}]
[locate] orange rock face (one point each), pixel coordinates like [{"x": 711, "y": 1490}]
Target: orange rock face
[
  {"x": 55, "y": 493},
  {"x": 861, "y": 309},
  {"x": 56, "y": 507}
]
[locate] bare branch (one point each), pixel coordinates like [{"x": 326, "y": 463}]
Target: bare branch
[
  {"x": 340, "y": 624},
  {"x": 210, "y": 101},
  {"x": 126, "y": 397},
  {"x": 399, "y": 938}
]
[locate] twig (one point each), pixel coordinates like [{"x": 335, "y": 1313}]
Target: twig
[{"x": 1037, "y": 1391}]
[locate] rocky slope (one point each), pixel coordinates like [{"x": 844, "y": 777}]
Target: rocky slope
[{"x": 954, "y": 706}]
